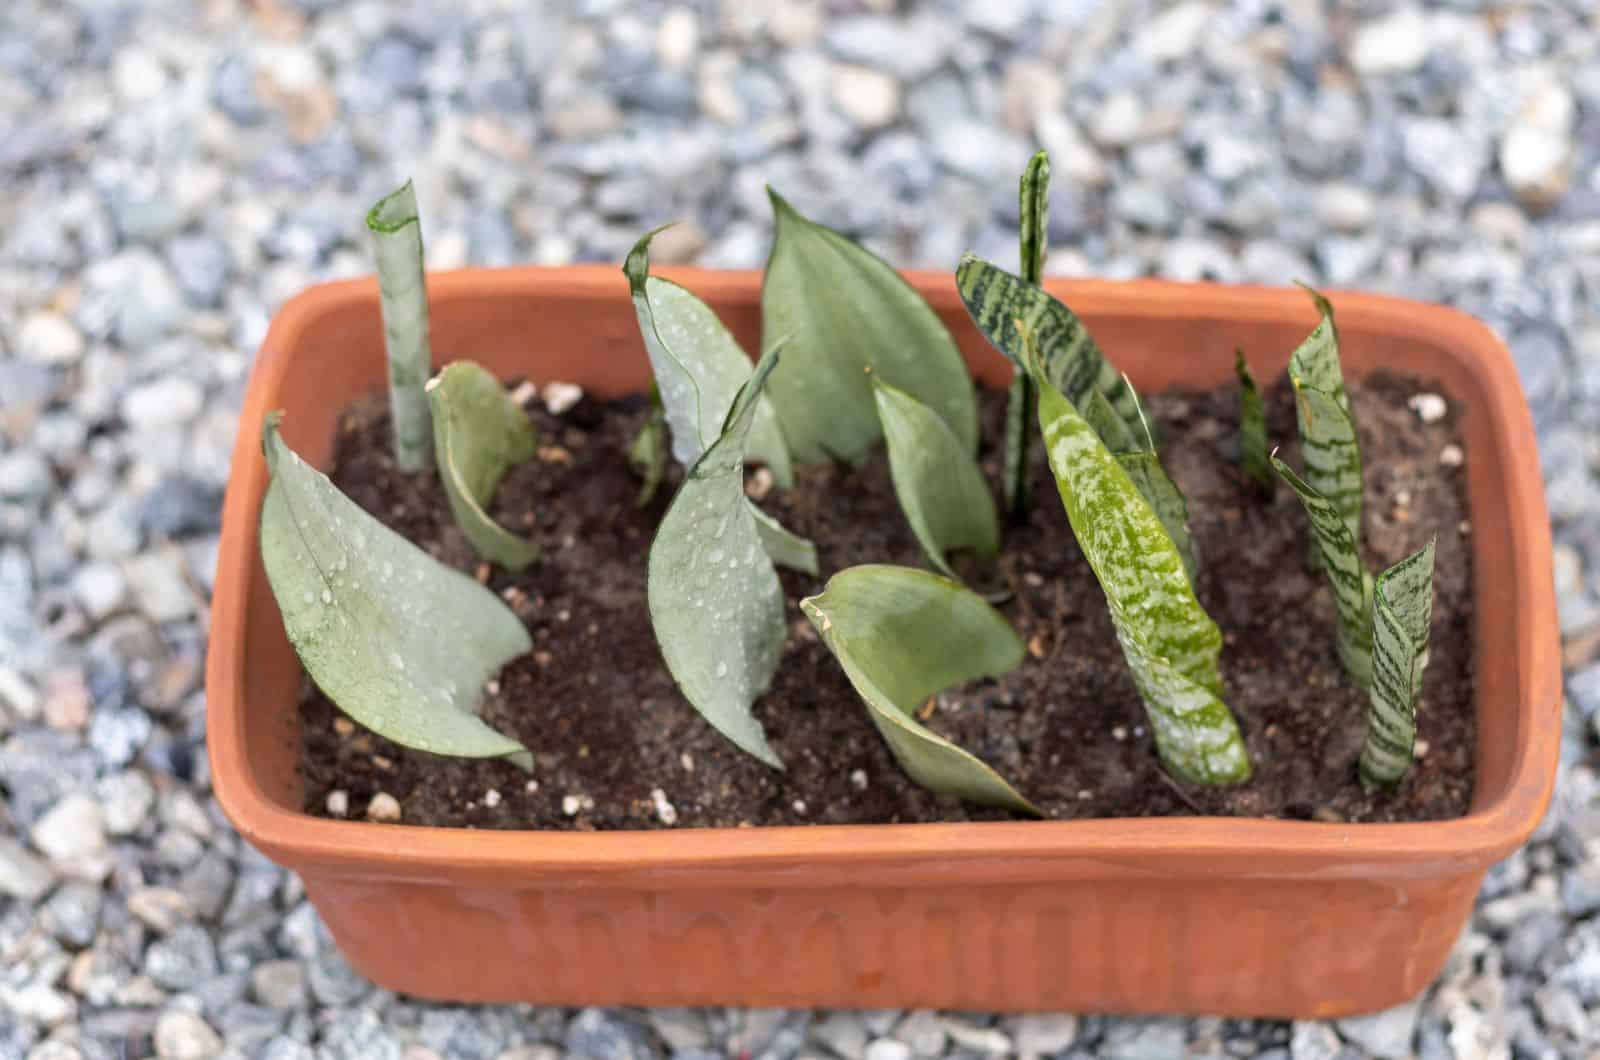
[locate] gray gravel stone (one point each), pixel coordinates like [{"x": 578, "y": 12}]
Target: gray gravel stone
[
  {"x": 22, "y": 875},
  {"x": 182, "y": 960}
]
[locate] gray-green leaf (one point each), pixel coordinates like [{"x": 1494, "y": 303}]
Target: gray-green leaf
[
  {"x": 848, "y": 312},
  {"x": 903, "y": 635},
  {"x": 937, "y": 480},
  {"x": 1169, "y": 641},
  {"x": 1253, "y": 448},
  {"x": 403, "y": 300},
  {"x": 787, "y": 548},
  {"x": 1327, "y": 428},
  {"x": 402, "y": 643},
  {"x": 714, "y": 596},
  {"x": 648, "y": 453},
  {"x": 1402, "y": 608},
  {"x": 1340, "y": 559},
  {"x": 480, "y": 433},
  {"x": 699, "y": 366}
]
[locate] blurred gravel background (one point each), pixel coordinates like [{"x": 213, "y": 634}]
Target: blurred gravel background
[{"x": 173, "y": 171}]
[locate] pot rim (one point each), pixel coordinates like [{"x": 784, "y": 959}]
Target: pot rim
[{"x": 1241, "y": 846}]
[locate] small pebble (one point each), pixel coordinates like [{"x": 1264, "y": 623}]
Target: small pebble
[
  {"x": 383, "y": 807},
  {"x": 1451, "y": 455},
  {"x": 338, "y": 803},
  {"x": 1430, "y": 408},
  {"x": 759, "y": 485},
  {"x": 491, "y": 798},
  {"x": 560, "y": 397},
  {"x": 858, "y": 779},
  {"x": 571, "y": 804},
  {"x": 665, "y": 811}
]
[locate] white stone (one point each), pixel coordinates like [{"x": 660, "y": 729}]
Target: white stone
[
  {"x": 1044, "y": 1034},
  {"x": 1536, "y": 152},
  {"x": 1175, "y": 33},
  {"x": 162, "y": 403},
  {"x": 1119, "y": 121},
  {"x": 72, "y": 834},
  {"x": 1430, "y": 408},
  {"x": 159, "y": 908},
  {"x": 49, "y": 338},
  {"x": 159, "y": 588},
  {"x": 17, "y": 695},
  {"x": 869, "y": 98},
  {"x": 1072, "y": 156},
  {"x": 21, "y": 874},
  {"x": 1313, "y": 1041},
  {"x": 1345, "y": 207},
  {"x": 1452, "y": 456},
  {"x": 560, "y": 397},
  {"x": 338, "y": 803},
  {"x": 665, "y": 811},
  {"x": 126, "y": 800},
  {"x": 39, "y": 1003},
  {"x": 100, "y": 587},
  {"x": 678, "y": 38},
  {"x": 1386, "y": 1035},
  {"x": 1395, "y": 44},
  {"x": 887, "y": 1049},
  {"x": 184, "y": 1036},
  {"x": 383, "y": 807}
]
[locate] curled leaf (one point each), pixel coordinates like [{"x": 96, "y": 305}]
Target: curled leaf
[
  {"x": 1340, "y": 560},
  {"x": 937, "y": 480},
  {"x": 402, "y": 643},
  {"x": 1169, "y": 641},
  {"x": 403, "y": 300},
  {"x": 848, "y": 312},
  {"x": 787, "y": 548},
  {"x": 1253, "y": 448},
  {"x": 902, "y": 635},
  {"x": 714, "y": 597},
  {"x": 480, "y": 433},
  {"x": 1402, "y": 607}
]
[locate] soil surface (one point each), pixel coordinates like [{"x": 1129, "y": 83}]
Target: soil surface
[{"x": 617, "y": 746}]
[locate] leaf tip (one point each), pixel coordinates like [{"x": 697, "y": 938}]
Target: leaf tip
[
  {"x": 636, "y": 266},
  {"x": 394, "y": 211},
  {"x": 269, "y": 431}
]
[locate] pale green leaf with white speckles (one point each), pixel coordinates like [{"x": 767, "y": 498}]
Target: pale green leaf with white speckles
[
  {"x": 937, "y": 480},
  {"x": 1402, "y": 607},
  {"x": 714, "y": 596},
  {"x": 400, "y": 642},
  {"x": 848, "y": 311},
  {"x": 480, "y": 433},
  {"x": 902, "y": 635},
  {"x": 1161, "y": 493},
  {"x": 1169, "y": 641}
]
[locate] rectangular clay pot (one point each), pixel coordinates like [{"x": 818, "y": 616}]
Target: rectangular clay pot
[{"x": 1202, "y": 915}]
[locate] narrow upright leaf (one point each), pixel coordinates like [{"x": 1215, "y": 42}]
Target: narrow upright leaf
[
  {"x": 480, "y": 433},
  {"x": 848, "y": 312},
  {"x": 1402, "y": 608},
  {"x": 648, "y": 453},
  {"x": 1340, "y": 559},
  {"x": 402, "y": 643},
  {"x": 937, "y": 480},
  {"x": 1170, "y": 643},
  {"x": 1072, "y": 361},
  {"x": 902, "y": 635},
  {"x": 403, "y": 299},
  {"x": 1034, "y": 211},
  {"x": 715, "y": 601},
  {"x": 699, "y": 366},
  {"x": 1161, "y": 493},
  {"x": 1253, "y": 449},
  {"x": 1327, "y": 428}
]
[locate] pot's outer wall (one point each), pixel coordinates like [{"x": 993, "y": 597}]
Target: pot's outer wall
[{"x": 1203, "y": 915}]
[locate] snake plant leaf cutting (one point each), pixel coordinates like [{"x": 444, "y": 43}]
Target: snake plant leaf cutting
[
  {"x": 714, "y": 596},
  {"x": 903, "y": 635},
  {"x": 1254, "y": 454},
  {"x": 403, "y": 298},
  {"x": 937, "y": 480},
  {"x": 648, "y": 453},
  {"x": 480, "y": 433},
  {"x": 847, "y": 312},
  {"x": 1402, "y": 607},
  {"x": 1340, "y": 558},
  {"x": 698, "y": 367},
  {"x": 1136, "y": 453},
  {"x": 1033, "y": 209},
  {"x": 1327, "y": 428},
  {"x": 1169, "y": 641},
  {"x": 402, "y": 643}
]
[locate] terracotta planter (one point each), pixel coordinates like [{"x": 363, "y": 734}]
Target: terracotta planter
[{"x": 1243, "y": 917}]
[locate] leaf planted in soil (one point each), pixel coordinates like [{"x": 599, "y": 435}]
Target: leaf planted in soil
[
  {"x": 648, "y": 453},
  {"x": 714, "y": 596},
  {"x": 480, "y": 433},
  {"x": 903, "y": 635},
  {"x": 1327, "y": 429},
  {"x": 1254, "y": 456},
  {"x": 849, "y": 312},
  {"x": 1402, "y": 608},
  {"x": 937, "y": 481},
  {"x": 1341, "y": 560},
  {"x": 403, "y": 299},
  {"x": 1169, "y": 641},
  {"x": 1033, "y": 207},
  {"x": 400, "y": 642}
]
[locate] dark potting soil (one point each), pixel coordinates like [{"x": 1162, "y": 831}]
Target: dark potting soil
[{"x": 616, "y": 745}]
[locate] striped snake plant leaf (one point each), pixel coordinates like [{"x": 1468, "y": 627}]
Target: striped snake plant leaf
[
  {"x": 1033, "y": 196},
  {"x": 1169, "y": 641},
  {"x": 1340, "y": 559},
  {"x": 648, "y": 453},
  {"x": 1327, "y": 428},
  {"x": 1073, "y": 363},
  {"x": 1135, "y": 451},
  {"x": 698, "y": 367},
  {"x": 403, "y": 300},
  {"x": 714, "y": 597},
  {"x": 903, "y": 635},
  {"x": 849, "y": 312},
  {"x": 1402, "y": 608},
  {"x": 1253, "y": 448},
  {"x": 402, "y": 643},
  {"x": 480, "y": 433},
  {"x": 937, "y": 480}
]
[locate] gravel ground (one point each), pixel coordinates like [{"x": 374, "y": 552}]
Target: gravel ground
[{"x": 173, "y": 171}]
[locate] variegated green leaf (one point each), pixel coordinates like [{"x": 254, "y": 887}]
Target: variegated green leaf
[
  {"x": 403, "y": 300},
  {"x": 1073, "y": 363},
  {"x": 1327, "y": 428},
  {"x": 902, "y": 635},
  {"x": 648, "y": 453},
  {"x": 698, "y": 367},
  {"x": 849, "y": 312},
  {"x": 1340, "y": 559},
  {"x": 400, "y": 642},
  {"x": 1169, "y": 641},
  {"x": 1253, "y": 448},
  {"x": 1402, "y": 608},
  {"x": 714, "y": 597},
  {"x": 1111, "y": 428},
  {"x": 1161, "y": 493},
  {"x": 937, "y": 480},
  {"x": 480, "y": 433},
  {"x": 1034, "y": 211}
]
